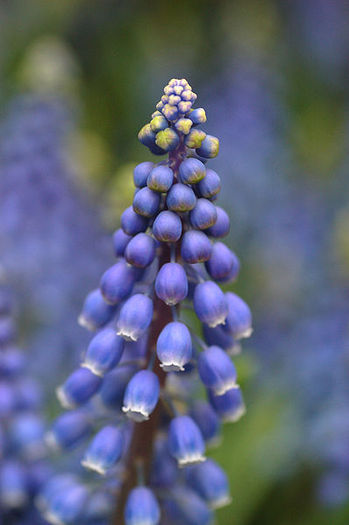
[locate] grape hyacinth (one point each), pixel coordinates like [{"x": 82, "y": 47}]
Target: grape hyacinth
[
  {"x": 131, "y": 385},
  {"x": 23, "y": 462}
]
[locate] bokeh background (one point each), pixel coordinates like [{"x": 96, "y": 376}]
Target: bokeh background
[{"x": 78, "y": 80}]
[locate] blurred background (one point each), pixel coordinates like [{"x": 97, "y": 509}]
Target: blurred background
[{"x": 78, "y": 80}]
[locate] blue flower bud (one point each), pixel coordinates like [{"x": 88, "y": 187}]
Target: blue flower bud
[
  {"x": 174, "y": 347},
  {"x": 132, "y": 222},
  {"x": 211, "y": 483},
  {"x": 209, "y": 147},
  {"x": 113, "y": 387},
  {"x": 104, "y": 352},
  {"x": 221, "y": 227},
  {"x": 194, "y": 138},
  {"x": 140, "y": 251},
  {"x": 196, "y": 247},
  {"x": 135, "y": 317},
  {"x": 146, "y": 136},
  {"x": 95, "y": 311},
  {"x": 183, "y": 506},
  {"x": 142, "y": 507},
  {"x": 66, "y": 505},
  {"x": 185, "y": 441},
  {"x": 210, "y": 185},
  {"x": 210, "y": 304},
  {"x": 239, "y": 319},
  {"x": 26, "y": 433},
  {"x": 120, "y": 241},
  {"x": 13, "y": 485},
  {"x": 222, "y": 263},
  {"x": 141, "y": 172},
  {"x": 171, "y": 284},
  {"x": 167, "y": 139},
  {"x": 164, "y": 469},
  {"x": 117, "y": 282},
  {"x": 80, "y": 386},
  {"x": 198, "y": 116},
  {"x": 158, "y": 123},
  {"x": 105, "y": 450},
  {"x": 180, "y": 198},
  {"x": 167, "y": 227},
  {"x": 219, "y": 336},
  {"x": 141, "y": 395},
  {"x": 146, "y": 202},
  {"x": 207, "y": 421},
  {"x": 203, "y": 215},
  {"x": 216, "y": 370},
  {"x": 191, "y": 171},
  {"x": 69, "y": 430},
  {"x": 160, "y": 179},
  {"x": 230, "y": 406}
]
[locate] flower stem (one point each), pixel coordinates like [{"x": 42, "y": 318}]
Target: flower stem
[{"x": 141, "y": 447}]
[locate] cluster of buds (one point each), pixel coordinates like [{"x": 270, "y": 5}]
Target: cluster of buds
[
  {"x": 145, "y": 367},
  {"x": 175, "y": 123},
  {"x": 23, "y": 467}
]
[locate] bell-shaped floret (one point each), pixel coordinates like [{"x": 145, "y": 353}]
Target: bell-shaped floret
[
  {"x": 210, "y": 481},
  {"x": 230, "y": 406},
  {"x": 223, "y": 263},
  {"x": 216, "y": 370},
  {"x": 95, "y": 311},
  {"x": 167, "y": 227},
  {"x": 117, "y": 282},
  {"x": 174, "y": 347},
  {"x": 171, "y": 284},
  {"x": 141, "y": 395},
  {"x": 104, "y": 352},
  {"x": 196, "y": 247},
  {"x": 185, "y": 441},
  {"x": 140, "y": 251},
  {"x": 181, "y": 198},
  {"x": 135, "y": 317},
  {"x": 105, "y": 450},
  {"x": 210, "y": 304},
  {"x": 80, "y": 386},
  {"x": 142, "y": 507},
  {"x": 239, "y": 319}
]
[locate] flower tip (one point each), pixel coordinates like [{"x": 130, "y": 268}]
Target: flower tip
[
  {"x": 172, "y": 367},
  {"x": 92, "y": 367},
  {"x": 63, "y": 399},
  {"x": 137, "y": 415},
  {"x": 91, "y": 465},
  {"x": 82, "y": 321},
  {"x": 221, "y": 502},
  {"x": 128, "y": 336},
  {"x": 230, "y": 385},
  {"x": 192, "y": 459},
  {"x": 235, "y": 416}
]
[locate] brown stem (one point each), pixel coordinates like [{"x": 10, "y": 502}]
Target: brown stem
[{"x": 142, "y": 441}]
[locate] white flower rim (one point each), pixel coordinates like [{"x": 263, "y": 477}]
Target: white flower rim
[
  {"x": 91, "y": 465},
  {"x": 191, "y": 459}
]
